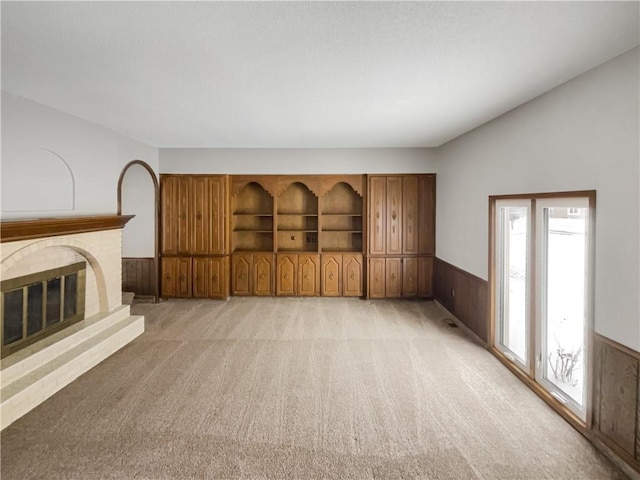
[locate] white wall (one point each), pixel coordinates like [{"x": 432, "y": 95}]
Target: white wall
[
  {"x": 297, "y": 161},
  {"x": 583, "y": 135},
  {"x": 35, "y": 181},
  {"x": 138, "y": 198}
]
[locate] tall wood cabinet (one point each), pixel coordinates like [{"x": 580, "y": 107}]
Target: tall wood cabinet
[
  {"x": 194, "y": 244},
  {"x": 401, "y": 236}
]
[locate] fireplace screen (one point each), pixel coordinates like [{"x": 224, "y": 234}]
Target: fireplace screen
[{"x": 39, "y": 304}]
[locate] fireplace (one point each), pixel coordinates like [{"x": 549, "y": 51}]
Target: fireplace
[
  {"x": 39, "y": 304},
  {"x": 60, "y": 305}
]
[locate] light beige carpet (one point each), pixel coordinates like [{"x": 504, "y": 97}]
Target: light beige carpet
[{"x": 298, "y": 388}]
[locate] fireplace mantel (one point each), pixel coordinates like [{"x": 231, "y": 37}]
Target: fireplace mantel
[{"x": 14, "y": 230}]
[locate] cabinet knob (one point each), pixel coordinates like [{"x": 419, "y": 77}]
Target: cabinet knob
[
  {"x": 199, "y": 216},
  {"x": 286, "y": 276},
  {"x": 214, "y": 278},
  {"x": 394, "y": 215},
  {"x": 306, "y": 276},
  {"x": 352, "y": 276},
  {"x": 183, "y": 216},
  {"x": 261, "y": 276},
  {"x": 393, "y": 275},
  {"x": 167, "y": 277},
  {"x": 331, "y": 276},
  {"x": 241, "y": 276},
  {"x": 182, "y": 278}
]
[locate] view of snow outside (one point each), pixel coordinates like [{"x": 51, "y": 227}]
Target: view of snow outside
[{"x": 564, "y": 362}]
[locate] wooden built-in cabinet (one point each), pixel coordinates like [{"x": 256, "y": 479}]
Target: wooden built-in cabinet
[
  {"x": 401, "y": 236},
  {"x": 193, "y": 222},
  {"x": 298, "y": 235}
]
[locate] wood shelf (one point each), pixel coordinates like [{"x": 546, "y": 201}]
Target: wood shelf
[
  {"x": 340, "y": 230},
  {"x": 249, "y": 214},
  {"x": 252, "y": 230},
  {"x": 297, "y": 214}
]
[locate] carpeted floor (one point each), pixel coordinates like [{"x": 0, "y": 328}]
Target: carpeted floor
[{"x": 298, "y": 388}]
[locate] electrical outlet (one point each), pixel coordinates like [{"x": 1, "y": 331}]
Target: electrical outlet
[{"x": 453, "y": 292}]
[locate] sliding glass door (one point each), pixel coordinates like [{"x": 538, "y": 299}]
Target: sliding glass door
[
  {"x": 562, "y": 303},
  {"x": 513, "y": 279},
  {"x": 541, "y": 284}
]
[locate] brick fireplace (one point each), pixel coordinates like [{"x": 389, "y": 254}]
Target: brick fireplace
[{"x": 48, "y": 363}]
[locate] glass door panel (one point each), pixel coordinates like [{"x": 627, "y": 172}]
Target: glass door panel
[
  {"x": 562, "y": 226},
  {"x": 512, "y": 274}
]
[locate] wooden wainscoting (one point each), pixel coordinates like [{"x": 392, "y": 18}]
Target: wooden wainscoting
[
  {"x": 138, "y": 276},
  {"x": 463, "y": 294},
  {"x": 616, "y": 398}
]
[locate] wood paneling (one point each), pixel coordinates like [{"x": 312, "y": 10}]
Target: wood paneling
[
  {"x": 425, "y": 277},
  {"x": 176, "y": 276},
  {"x": 14, "y": 230},
  {"x": 427, "y": 214},
  {"x": 394, "y": 215},
  {"x": 410, "y": 218},
  {"x": 138, "y": 276},
  {"x": 616, "y": 398},
  {"x": 352, "y": 275},
  {"x": 331, "y": 281},
  {"x": 463, "y": 294},
  {"x": 218, "y": 281},
  {"x": 286, "y": 268},
  {"x": 183, "y": 220},
  {"x": 410, "y": 277},
  {"x": 218, "y": 220}
]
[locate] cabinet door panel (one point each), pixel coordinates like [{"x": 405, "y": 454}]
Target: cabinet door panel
[
  {"x": 241, "y": 274},
  {"x": 169, "y": 215},
  {"x": 410, "y": 216},
  {"x": 331, "y": 275},
  {"x": 217, "y": 277},
  {"x": 410, "y": 277},
  {"x": 200, "y": 215},
  {"x": 427, "y": 215},
  {"x": 262, "y": 274},
  {"x": 377, "y": 215},
  {"x": 184, "y": 277},
  {"x": 169, "y": 283},
  {"x": 286, "y": 274},
  {"x": 200, "y": 277},
  {"x": 394, "y": 215},
  {"x": 184, "y": 218},
  {"x": 217, "y": 215},
  {"x": 425, "y": 277},
  {"x": 376, "y": 284},
  {"x": 308, "y": 275},
  {"x": 352, "y": 275},
  {"x": 393, "y": 271}
]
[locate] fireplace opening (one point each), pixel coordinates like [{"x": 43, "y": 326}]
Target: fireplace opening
[{"x": 40, "y": 304}]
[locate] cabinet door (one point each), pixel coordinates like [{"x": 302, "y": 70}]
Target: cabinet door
[
  {"x": 262, "y": 274},
  {"x": 393, "y": 275},
  {"x": 331, "y": 281},
  {"x": 377, "y": 215},
  {"x": 169, "y": 215},
  {"x": 394, "y": 215},
  {"x": 184, "y": 277},
  {"x": 241, "y": 274},
  {"x": 169, "y": 283},
  {"x": 308, "y": 275},
  {"x": 200, "y": 277},
  {"x": 200, "y": 216},
  {"x": 410, "y": 277},
  {"x": 184, "y": 217},
  {"x": 217, "y": 215},
  {"x": 217, "y": 270},
  {"x": 286, "y": 274},
  {"x": 425, "y": 277},
  {"x": 410, "y": 216},
  {"x": 376, "y": 284},
  {"x": 427, "y": 215},
  {"x": 352, "y": 275}
]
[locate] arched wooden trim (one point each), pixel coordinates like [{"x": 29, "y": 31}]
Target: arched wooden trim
[{"x": 156, "y": 190}]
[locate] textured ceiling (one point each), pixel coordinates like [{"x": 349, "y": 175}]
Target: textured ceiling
[{"x": 232, "y": 74}]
